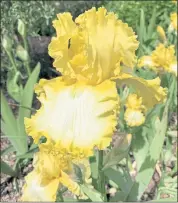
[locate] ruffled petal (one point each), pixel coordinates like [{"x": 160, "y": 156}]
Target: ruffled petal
[
  {"x": 163, "y": 57},
  {"x": 78, "y": 116},
  {"x": 34, "y": 190},
  {"x": 150, "y": 90},
  {"x": 64, "y": 25},
  {"x": 73, "y": 186},
  {"x": 51, "y": 160},
  {"x": 133, "y": 102},
  {"x": 93, "y": 49},
  {"x": 134, "y": 117}
]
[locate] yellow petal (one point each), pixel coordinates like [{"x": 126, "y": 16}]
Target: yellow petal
[
  {"x": 93, "y": 49},
  {"x": 163, "y": 57},
  {"x": 133, "y": 102},
  {"x": 74, "y": 187},
  {"x": 78, "y": 116},
  {"x": 173, "y": 68},
  {"x": 50, "y": 160},
  {"x": 64, "y": 25},
  {"x": 134, "y": 117},
  {"x": 34, "y": 190},
  {"x": 145, "y": 61},
  {"x": 150, "y": 90},
  {"x": 174, "y": 20}
]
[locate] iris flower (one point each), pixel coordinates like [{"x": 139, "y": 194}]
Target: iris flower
[
  {"x": 53, "y": 169},
  {"x": 134, "y": 114},
  {"x": 79, "y": 110},
  {"x": 161, "y": 59},
  {"x": 95, "y": 54}
]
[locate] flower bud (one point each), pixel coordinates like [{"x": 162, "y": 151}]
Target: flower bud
[
  {"x": 22, "y": 53},
  {"x": 7, "y": 43},
  {"x": 21, "y": 28},
  {"x": 161, "y": 33}
]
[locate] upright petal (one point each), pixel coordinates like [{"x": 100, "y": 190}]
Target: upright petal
[{"x": 94, "y": 48}]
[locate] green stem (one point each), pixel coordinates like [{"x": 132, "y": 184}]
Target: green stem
[
  {"x": 101, "y": 176},
  {"x": 27, "y": 63},
  {"x": 12, "y": 61},
  {"x": 60, "y": 196},
  {"x": 25, "y": 107}
]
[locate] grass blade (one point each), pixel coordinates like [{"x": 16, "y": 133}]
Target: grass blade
[{"x": 7, "y": 114}]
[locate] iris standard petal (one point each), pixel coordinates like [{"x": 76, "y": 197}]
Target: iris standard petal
[{"x": 93, "y": 49}]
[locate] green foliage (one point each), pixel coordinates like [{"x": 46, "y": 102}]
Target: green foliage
[
  {"x": 118, "y": 152},
  {"x": 128, "y": 11},
  {"x": 13, "y": 127},
  {"x": 39, "y": 15},
  {"x": 5, "y": 168}
]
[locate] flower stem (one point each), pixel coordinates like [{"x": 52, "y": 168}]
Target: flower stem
[
  {"x": 12, "y": 61},
  {"x": 101, "y": 176},
  {"x": 27, "y": 63}
]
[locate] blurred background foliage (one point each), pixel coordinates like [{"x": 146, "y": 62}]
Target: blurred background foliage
[
  {"x": 38, "y": 16},
  {"x": 128, "y": 11}
]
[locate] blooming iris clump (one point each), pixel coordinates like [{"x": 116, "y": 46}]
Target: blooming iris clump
[
  {"x": 79, "y": 110},
  {"x": 161, "y": 59}
]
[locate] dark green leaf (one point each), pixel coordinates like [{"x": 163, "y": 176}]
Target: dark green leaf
[{"x": 6, "y": 169}]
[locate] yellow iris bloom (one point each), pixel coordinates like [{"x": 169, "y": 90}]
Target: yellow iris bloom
[
  {"x": 79, "y": 110},
  {"x": 53, "y": 167},
  {"x": 134, "y": 114},
  {"x": 161, "y": 59}
]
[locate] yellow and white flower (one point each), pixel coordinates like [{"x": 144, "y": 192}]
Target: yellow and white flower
[
  {"x": 134, "y": 114},
  {"x": 162, "y": 59},
  {"x": 79, "y": 110},
  {"x": 53, "y": 167}
]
